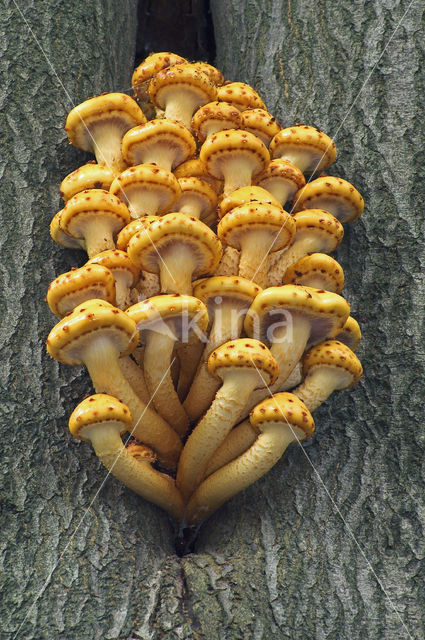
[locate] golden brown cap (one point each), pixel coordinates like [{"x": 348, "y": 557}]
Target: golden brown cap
[
  {"x": 322, "y": 224},
  {"x": 282, "y": 178},
  {"x": 146, "y": 246},
  {"x": 335, "y": 195},
  {"x": 315, "y": 148},
  {"x": 147, "y": 189},
  {"x": 337, "y": 356},
  {"x": 219, "y": 288},
  {"x": 213, "y": 73},
  {"x": 150, "y": 66},
  {"x": 180, "y": 312},
  {"x": 213, "y": 117},
  {"x": 62, "y": 238},
  {"x": 96, "y": 410},
  {"x": 316, "y": 270},
  {"x": 285, "y": 408},
  {"x": 116, "y": 260},
  {"x": 75, "y": 286},
  {"x": 89, "y": 176},
  {"x": 261, "y": 123},
  {"x": 197, "y": 199},
  {"x": 240, "y": 95},
  {"x": 244, "y": 195},
  {"x": 141, "y": 452},
  {"x": 116, "y": 109},
  {"x": 67, "y": 340},
  {"x": 244, "y": 353},
  {"x": 350, "y": 334},
  {"x": 233, "y": 143},
  {"x": 195, "y": 168},
  {"x": 131, "y": 229},
  {"x": 149, "y": 142}
]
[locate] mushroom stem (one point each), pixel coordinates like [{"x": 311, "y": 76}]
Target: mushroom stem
[
  {"x": 189, "y": 356},
  {"x": 288, "y": 257},
  {"x": 134, "y": 375},
  {"x": 123, "y": 280},
  {"x": 210, "y": 432},
  {"x": 219, "y": 487},
  {"x": 137, "y": 475},
  {"x": 255, "y": 248},
  {"x": 180, "y": 106},
  {"x": 97, "y": 235},
  {"x": 191, "y": 207},
  {"x": 101, "y": 360},
  {"x": 142, "y": 203},
  {"x": 159, "y": 349},
  {"x": 279, "y": 189},
  {"x": 176, "y": 268},
  {"x": 237, "y": 173},
  {"x": 107, "y": 146},
  {"x": 239, "y": 440},
  {"x": 300, "y": 158},
  {"x": 318, "y": 386}
]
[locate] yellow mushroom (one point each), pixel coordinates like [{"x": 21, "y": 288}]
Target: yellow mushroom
[
  {"x": 335, "y": 195},
  {"x": 306, "y": 147},
  {"x": 240, "y": 95},
  {"x": 89, "y": 176},
  {"x": 316, "y": 270},
  {"x": 261, "y": 124},
  {"x": 350, "y": 334},
  {"x": 197, "y": 200},
  {"x": 125, "y": 273},
  {"x": 214, "y": 117},
  {"x": 282, "y": 179},
  {"x": 78, "y": 285},
  {"x": 148, "y": 68}
]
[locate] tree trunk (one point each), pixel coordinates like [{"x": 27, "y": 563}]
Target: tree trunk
[{"x": 330, "y": 544}]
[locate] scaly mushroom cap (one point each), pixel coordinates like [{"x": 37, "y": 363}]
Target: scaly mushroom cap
[
  {"x": 131, "y": 229},
  {"x": 196, "y": 192},
  {"x": 244, "y": 353},
  {"x": 240, "y": 95},
  {"x": 157, "y": 137},
  {"x": 146, "y": 246},
  {"x": 117, "y": 260},
  {"x": 253, "y": 216},
  {"x": 350, "y": 334},
  {"x": 89, "y": 176},
  {"x": 283, "y": 407},
  {"x": 316, "y": 270},
  {"x": 323, "y": 223},
  {"x": 315, "y": 148},
  {"x": 217, "y": 288},
  {"x": 337, "y": 356},
  {"x": 179, "y": 311},
  {"x": 149, "y": 184},
  {"x": 244, "y": 195},
  {"x": 74, "y": 287},
  {"x": 326, "y": 311},
  {"x": 261, "y": 123},
  {"x": 234, "y": 145},
  {"x": 196, "y": 169},
  {"x": 150, "y": 66},
  {"x": 335, "y": 195},
  {"x": 95, "y": 411},
  {"x": 213, "y": 73},
  {"x": 115, "y": 109},
  {"x": 282, "y": 178},
  {"x": 62, "y": 238},
  {"x": 180, "y": 90},
  {"x": 67, "y": 339},
  {"x": 214, "y": 117},
  {"x": 92, "y": 205},
  {"x": 141, "y": 452}
]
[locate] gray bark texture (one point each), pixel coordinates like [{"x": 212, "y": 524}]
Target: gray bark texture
[{"x": 331, "y": 543}]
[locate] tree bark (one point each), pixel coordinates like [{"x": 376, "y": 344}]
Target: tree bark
[{"x": 330, "y": 544}]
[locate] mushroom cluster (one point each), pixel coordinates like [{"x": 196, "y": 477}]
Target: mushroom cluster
[{"x": 208, "y": 312}]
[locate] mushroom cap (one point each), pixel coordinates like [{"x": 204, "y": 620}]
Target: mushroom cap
[
  {"x": 203, "y": 191},
  {"x": 62, "y": 238},
  {"x": 241, "y": 95},
  {"x": 283, "y": 407},
  {"x": 350, "y": 334},
  {"x": 336, "y": 195},
  {"x": 116, "y": 260},
  {"x": 280, "y": 169},
  {"x": 67, "y": 339},
  {"x": 213, "y": 73},
  {"x": 144, "y": 179},
  {"x": 323, "y": 223},
  {"x": 141, "y": 452},
  {"x": 256, "y": 216},
  {"x": 233, "y": 143},
  {"x": 218, "y": 287},
  {"x": 145, "y": 247},
  {"x": 195, "y": 168},
  {"x": 181, "y": 77},
  {"x": 181, "y": 310},
  {"x": 170, "y": 133},
  {"x": 150, "y": 66},
  {"x": 336, "y": 355},
  {"x": 306, "y": 138},
  {"x": 244, "y": 353},
  {"x": 225, "y": 115},
  {"x": 320, "y": 266},
  {"x": 92, "y": 203},
  {"x": 118, "y": 109},
  {"x": 89, "y": 176},
  {"x": 326, "y": 311},
  {"x": 96, "y": 410},
  {"x": 131, "y": 229},
  {"x": 245, "y": 195},
  {"x": 87, "y": 282},
  {"x": 261, "y": 123}
]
